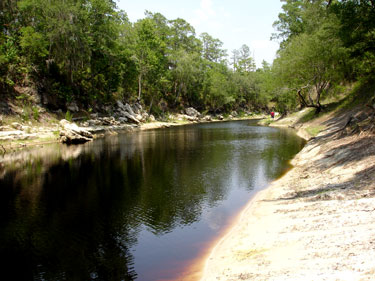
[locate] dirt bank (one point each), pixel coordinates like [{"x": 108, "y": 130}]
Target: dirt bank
[{"x": 315, "y": 223}]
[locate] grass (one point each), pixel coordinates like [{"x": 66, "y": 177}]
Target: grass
[
  {"x": 351, "y": 96},
  {"x": 315, "y": 130},
  {"x": 308, "y": 116}
]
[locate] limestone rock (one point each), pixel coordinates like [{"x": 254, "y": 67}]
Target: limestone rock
[
  {"x": 130, "y": 117},
  {"x": 192, "y": 112},
  {"x": 16, "y": 126},
  {"x": 72, "y": 134},
  {"x": 123, "y": 119},
  {"x": 120, "y": 105},
  {"x": 72, "y": 107},
  {"x": 145, "y": 116},
  {"x": 139, "y": 117},
  {"x": 191, "y": 118},
  {"x": 129, "y": 109},
  {"x": 207, "y": 118},
  {"x": 137, "y": 108}
]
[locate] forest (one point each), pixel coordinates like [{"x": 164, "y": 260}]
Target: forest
[{"x": 87, "y": 51}]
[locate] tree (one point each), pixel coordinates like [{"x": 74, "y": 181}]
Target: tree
[
  {"x": 188, "y": 76},
  {"x": 245, "y": 61},
  {"x": 357, "y": 32},
  {"x": 182, "y": 36},
  {"x": 212, "y": 48},
  {"x": 218, "y": 88},
  {"x": 149, "y": 54},
  {"x": 290, "y": 22},
  {"x": 311, "y": 62}
]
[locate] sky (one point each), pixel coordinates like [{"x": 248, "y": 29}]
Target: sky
[{"x": 234, "y": 22}]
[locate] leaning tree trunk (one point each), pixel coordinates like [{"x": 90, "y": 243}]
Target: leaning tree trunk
[{"x": 317, "y": 105}]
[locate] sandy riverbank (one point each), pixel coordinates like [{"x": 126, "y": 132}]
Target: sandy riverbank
[{"x": 315, "y": 223}]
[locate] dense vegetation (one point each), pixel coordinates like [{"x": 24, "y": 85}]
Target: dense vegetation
[
  {"x": 88, "y": 51},
  {"x": 324, "y": 45}
]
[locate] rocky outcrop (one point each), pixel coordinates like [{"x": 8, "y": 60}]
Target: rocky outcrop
[
  {"x": 133, "y": 114},
  {"x": 72, "y": 107},
  {"x": 207, "y": 118},
  {"x": 192, "y": 112},
  {"x": 16, "y": 135},
  {"x": 70, "y": 133}
]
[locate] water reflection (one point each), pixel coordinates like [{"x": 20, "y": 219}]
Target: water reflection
[{"x": 131, "y": 206}]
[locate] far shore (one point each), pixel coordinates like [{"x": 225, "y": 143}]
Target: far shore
[{"x": 49, "y": 134}]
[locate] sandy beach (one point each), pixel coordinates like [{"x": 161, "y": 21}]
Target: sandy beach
[{"x": 317, "y": 222}]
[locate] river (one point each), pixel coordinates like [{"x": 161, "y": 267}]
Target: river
[{"x": 136, "y": 206}]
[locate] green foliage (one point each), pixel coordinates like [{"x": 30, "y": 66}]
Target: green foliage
[
  {"x": 33, "y": 44},
  {"x": 35, "y": 112},
  {"x": 88, "y": 51},
  {"x": 314, "y": 131},
  {"x": 324, "y": 43},
  {"x": 69, "y": 116}
]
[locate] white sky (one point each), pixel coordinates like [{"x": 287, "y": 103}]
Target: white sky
[{"x": 234, "y": 22}]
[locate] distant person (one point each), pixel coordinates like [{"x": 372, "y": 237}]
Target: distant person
[{"x": 272, "y": 114}]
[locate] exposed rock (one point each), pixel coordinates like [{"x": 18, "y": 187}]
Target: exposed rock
[
  {"x": 152, "y": 118},
  {"x": 120, "y": 105},
  {"x": 220, "y": 117},
  {"x": 123, "y": 119},
  {"x": 1, "y": 120},
  {"x": 72, "y": 134},
  {"x": 41, "y": 109},
  {"x": 72, "y": 107},
  {"x": 108, "y": 121},
  {"x": 16, "y": 135},
  {"x": 192, "y": 112},
  {"x": 129, "y": 109},
  {"x": 132, "y": 114},
  {"x": 234, "y": 113},
  {"x": 191, "y": 118},
  {"x": 130, "y": 117},
  {"x": 207, "y": 118},
  {"x": 137, "y": 108},
  {"x": 145, "y": 116},
  {"x": 94, "y": 122},
  {"x": 10, "y": 135},
  {"x": 16, "y": 126},
  {"x": 139, "y": 117},
  {"x": 26, "y": 128},
  {"x": 107, "y": 108}
]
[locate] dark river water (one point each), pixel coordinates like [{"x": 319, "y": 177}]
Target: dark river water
[{"x": 140, "y": 205}]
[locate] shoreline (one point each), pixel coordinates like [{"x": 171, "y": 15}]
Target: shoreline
[
  {"x": 48, "y": 135},
  {"x": 304, "y": 225}
]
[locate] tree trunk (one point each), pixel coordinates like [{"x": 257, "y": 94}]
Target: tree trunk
[
  {"x": 152, "y": 100},
  {"x": 139, "y": 86},
  {"x": 317, "y": 106}
]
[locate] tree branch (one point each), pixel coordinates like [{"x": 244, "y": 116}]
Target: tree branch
[{"x": 302, "y": 98}]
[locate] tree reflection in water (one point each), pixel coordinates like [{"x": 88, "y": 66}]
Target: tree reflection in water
[{"x": 76, "y": 213}]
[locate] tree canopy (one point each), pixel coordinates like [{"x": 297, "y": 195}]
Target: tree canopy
[{"x": 89, "y": 52}]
